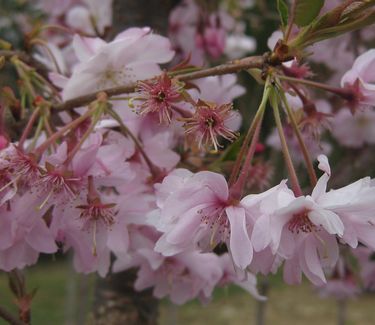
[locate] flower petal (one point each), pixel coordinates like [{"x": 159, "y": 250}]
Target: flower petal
[{"x": 239, "y": 243}]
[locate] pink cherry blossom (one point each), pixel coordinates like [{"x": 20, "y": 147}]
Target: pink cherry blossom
[
  {"x": 302, "y": 231},
  {"x": 122, "y": 61},
  {"x": 197, "y": 215},
  {"x": 24, "y": 233},
  {"x": 158, "y": 96},
  {"x": 361, "y": 78},
  {"x": 182, "y": 277},
  {"x": 209, "y": 122}
]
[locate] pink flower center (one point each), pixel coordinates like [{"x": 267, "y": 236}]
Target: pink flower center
[
  {"x": 60, "y": 183},
  {"x": 93, "y": 213},
  {"x": 208, "y": 123},
  {"x": 97, "y": 211},
  {"x": 23, "y": 165},
  {"x": 157, "y": 96},
  {"x": 301, "y": 222},
  {"x": 218, "y": 224}
]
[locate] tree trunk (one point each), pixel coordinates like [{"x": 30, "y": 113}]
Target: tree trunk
[
  {"x": 140, "y": 13},
  {"x": 116, "y": 302}
]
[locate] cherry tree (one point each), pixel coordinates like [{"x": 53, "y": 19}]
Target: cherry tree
[{"x": 126, "y": 148}]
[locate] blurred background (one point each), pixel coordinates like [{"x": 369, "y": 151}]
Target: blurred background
[{"x": 65, "y": 297}]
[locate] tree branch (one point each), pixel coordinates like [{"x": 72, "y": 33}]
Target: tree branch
[{"x": 227, "y": 68}]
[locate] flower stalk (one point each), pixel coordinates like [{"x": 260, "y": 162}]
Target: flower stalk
[
  {"x": 258, "y": 116},
  {"x": 301, "y": 142},
  {"x": 126, "y": 132},
  {"x": 288, "y": 160}
]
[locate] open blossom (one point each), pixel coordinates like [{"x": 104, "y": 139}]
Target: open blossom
[
  {"x": 182, "y": 277},
  {"x": 133, "y": 55},
  {"x": 195, "y": 213},
  {"x": 89, "y": 244},
  {"x": 95, "y": 211},
  {"x": 354, "y": 205},
  {"x": 24, "y": 233},
  {"x": 209, "y": 122},
  {"x": 158, "y": 96},
  {"x": 361, "y": 78},
  {"x": 304, "y": 230}
]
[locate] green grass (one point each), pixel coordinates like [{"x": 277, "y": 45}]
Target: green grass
[
  {"x": 50, "y": 280},
  {"x": 286, "y": 306}
]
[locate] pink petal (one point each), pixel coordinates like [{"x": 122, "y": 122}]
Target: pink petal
[
  {"x": 310, "y": 262},
  {"x": 328, "y": 219},
  {"x": 239, "y": 243},
  {"x": 261, "y": 236},
  {"x": 40, "y": 238}
]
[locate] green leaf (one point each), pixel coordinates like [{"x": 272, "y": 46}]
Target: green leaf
[
  {"x": 307, "y": 11},
  {"x": 283, "y": 12}
]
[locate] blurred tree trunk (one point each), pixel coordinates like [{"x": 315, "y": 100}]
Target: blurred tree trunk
[
  {"x": 139, "y": 13},
  {"x": 116, "y": 302}
]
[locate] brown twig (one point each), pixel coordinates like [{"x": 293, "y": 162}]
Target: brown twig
[
  {"x": 9, "y": 317},
  {"x": 227, "y": 68}
]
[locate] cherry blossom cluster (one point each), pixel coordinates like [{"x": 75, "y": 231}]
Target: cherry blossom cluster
[
  {"x": 89, "y": 188},
  {"x": 141, "y": 172},
  {"x": 201, "y": 33},
  {"x": 263, "y": 230}
]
